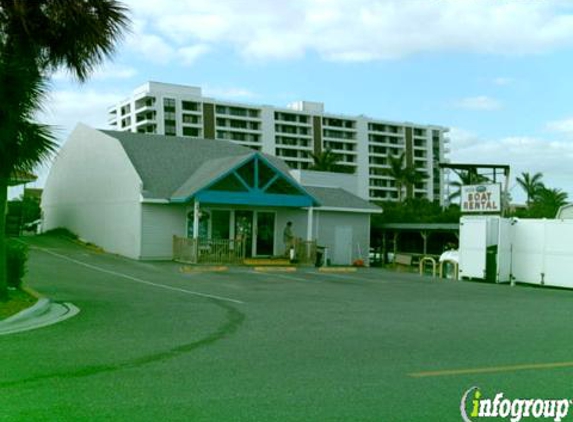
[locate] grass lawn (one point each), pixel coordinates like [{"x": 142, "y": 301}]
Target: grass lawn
[{"x": 18, "y": 301}]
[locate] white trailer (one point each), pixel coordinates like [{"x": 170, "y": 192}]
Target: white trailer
[
  {"x": 533, "y": 251},
  {"x": 485, "y": 248}
]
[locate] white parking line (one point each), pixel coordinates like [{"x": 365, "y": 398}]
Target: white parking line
[{"x": 139, "y": 280}]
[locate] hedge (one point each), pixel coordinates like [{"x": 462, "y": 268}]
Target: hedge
[{"x": 16, "y": 257}]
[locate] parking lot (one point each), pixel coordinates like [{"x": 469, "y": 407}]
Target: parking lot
[{"x": 153, "y": 342}]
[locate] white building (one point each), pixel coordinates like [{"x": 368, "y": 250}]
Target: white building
[
  {"x": 134, "y": 194},
  {"x": 292, "y": 133}
]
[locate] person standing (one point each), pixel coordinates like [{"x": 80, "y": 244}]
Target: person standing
[{"x": 288, "y": 238}]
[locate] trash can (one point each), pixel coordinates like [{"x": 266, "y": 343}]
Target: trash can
[
  {"x": 319, "y": 261},
  {"x": 491, "y": 264}
]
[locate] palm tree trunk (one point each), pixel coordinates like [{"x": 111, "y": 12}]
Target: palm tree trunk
[
  {"x": 3, "y": 271},
  {"x": 400, "y": 193}
]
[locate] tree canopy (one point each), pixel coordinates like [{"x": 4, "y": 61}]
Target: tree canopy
[
  {"x": 405, "y": 176},
  {"x": 328, "y": 160},
  {"x": 36, "y": 38}
]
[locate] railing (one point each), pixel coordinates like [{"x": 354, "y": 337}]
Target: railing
[
  {"x": 225, "y": 251},
  {"x": 208, "y": 251},
  {"x": 423, "y": 261},
  {"x": 305, "y": 251}
]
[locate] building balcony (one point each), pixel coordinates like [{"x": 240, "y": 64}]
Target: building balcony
[
  {"x": 238, "y": 130},
  {"x": 294, "y": 147},
  {"x": 389, "y": 144},
  {"x": 293, "y": 124},
  {"x": 292, "y": 135},
  {"x": 228, "y": 115},
  {"x": 379, "y": 177},
  {"x": 144, "y": 122},
  {"x": 339, "y": 128},
  {"x": 386, "y": 133},
  {"x": 335, "y": 139},
  {"x": 378, "y": 154},
  {"x": 299, "y": 159},
  {"x": 344, "y": 152},
  {"x": 378, "y": 166},
  {"x": 198, "y": 124}
]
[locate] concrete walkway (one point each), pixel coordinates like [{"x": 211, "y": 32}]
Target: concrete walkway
[{"x": 44, "y": 312}]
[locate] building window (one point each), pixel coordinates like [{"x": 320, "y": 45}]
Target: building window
[
  {"x": 169, "y": 105},
  {"x": 190, "y": 106},
  {"x": 191, "y": 131},
  {"x": 190, "y": 118},
  {"x": 170, "y": 128}
]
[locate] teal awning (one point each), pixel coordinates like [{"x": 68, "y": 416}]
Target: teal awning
[{"x": 252, "y": 180}]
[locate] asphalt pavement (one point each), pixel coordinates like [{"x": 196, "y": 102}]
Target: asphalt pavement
[{"x": 154, "y": 343}]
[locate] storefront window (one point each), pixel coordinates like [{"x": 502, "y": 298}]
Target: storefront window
[{"x": 204, "y": 218}]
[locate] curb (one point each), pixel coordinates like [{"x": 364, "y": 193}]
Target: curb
[
  {"x": 34, "y": 311},
  {"x": 32, "y": 292},
  {"x": 274, "y": 269},
  {"x": 338, "y": 269},
  {"x": 43, "y": 316},
  {"x": 199, "y": 269}
]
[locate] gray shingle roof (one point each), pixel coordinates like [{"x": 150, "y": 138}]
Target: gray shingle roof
[
  {"x": 207, "y": 173},
  {"x": 165, "y": 163},
  {"x": 171, "y": 166},
  {"x": 340, "y": 198}
]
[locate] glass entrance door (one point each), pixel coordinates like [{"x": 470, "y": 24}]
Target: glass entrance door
[
  {"x": 244, "y": 230},
  {"x": 265, "y": 233}
]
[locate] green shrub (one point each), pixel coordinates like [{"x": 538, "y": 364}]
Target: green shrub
[{"x": 16, "y": 257}]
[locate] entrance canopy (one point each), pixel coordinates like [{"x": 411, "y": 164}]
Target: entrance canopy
[{"x": 243, "y": 180}]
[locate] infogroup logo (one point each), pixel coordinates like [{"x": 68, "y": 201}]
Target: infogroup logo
[{"x": 513, "y": 409}]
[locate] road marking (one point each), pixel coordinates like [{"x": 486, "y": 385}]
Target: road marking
[
  {"x": 139, "y": 280},
  {"x": 491, "y": 370}
]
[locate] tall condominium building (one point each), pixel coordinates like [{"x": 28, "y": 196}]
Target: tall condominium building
[{"x": 293, "y": 133}]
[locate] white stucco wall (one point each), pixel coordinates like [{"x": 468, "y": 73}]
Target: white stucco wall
[
  {"x": 357, "y": 245},
  {"x": 160, "y": 222},
  {"x": 326, "y": 224},
  {"x": 94, "y": 191}
]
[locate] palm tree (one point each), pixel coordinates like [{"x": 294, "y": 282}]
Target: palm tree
[
  {"x": 325, "y": 160},
  {"x": 398, "y": 172},
  {"x": 547, "y": 202},
  {"x": 404, "y": 176},
  {"x": 554, "y": 196},
  {"x": 531, "y": 185},
  {"x": 328, "y": 160},
  {"x": 413, "y": 178},
  {"x": 467, "y": 177},
  {"x": 36, "y": 38}
]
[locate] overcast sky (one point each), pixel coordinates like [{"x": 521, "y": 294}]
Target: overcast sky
[{"x": 498, "y": 73}]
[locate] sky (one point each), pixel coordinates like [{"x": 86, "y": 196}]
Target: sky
[{"x": 496, "y": 72}]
